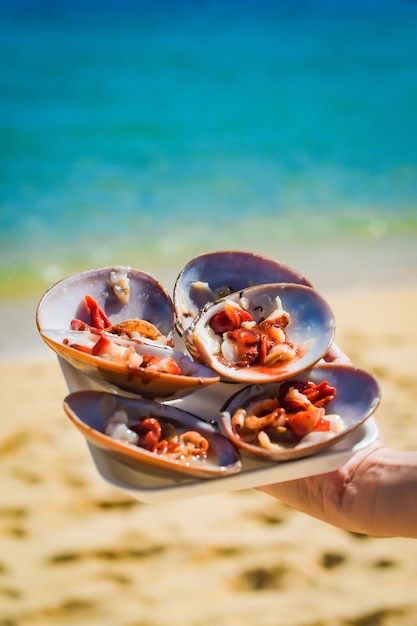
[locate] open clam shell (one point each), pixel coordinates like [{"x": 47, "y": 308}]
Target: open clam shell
[
  {"x": 357, "y": 397},
  {"x": 210, "y": 276},
  {"x": 122, "y": 293},
  {"x": 89, "y": 411},
  {"x": 309, "y": 331},
  {"x": 120, "y": 367}
]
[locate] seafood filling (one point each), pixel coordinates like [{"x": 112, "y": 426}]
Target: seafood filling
[
  {"x": 296, "y": 416},
  {"x": 136, "y": 329},
  {"x": 119, "y": 283},
  {"x": 96, "y": 342},
  {"x": 243, "y": 342},
  {"x": 108, "y": 350},
  {"x": 161, "y": 438}
]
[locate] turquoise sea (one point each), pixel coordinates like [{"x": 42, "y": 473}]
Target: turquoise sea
[{"x": 144, "y": 132}]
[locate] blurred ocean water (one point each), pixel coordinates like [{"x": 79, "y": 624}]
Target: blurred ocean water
[{"x": 152, "y": 130}]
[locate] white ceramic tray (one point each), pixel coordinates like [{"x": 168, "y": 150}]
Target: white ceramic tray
[{"x": 205, "y": 403}]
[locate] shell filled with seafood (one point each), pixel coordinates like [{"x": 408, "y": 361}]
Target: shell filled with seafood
[
  {"x": 116, "y": 325},
  {"x": 122, "y": 300},
  {"x": 303, "y": 415},
  {"x": 151, "y": 436},
  {"x": 263, "y": 333},
  {"x": 213, "y": 275}
]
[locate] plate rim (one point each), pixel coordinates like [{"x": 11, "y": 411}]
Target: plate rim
[{"x": 334, "y": 457}]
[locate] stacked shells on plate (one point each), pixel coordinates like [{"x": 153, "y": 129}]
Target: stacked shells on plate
[{"x": 235, "y": 319}]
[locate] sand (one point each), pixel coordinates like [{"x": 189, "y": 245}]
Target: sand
[{"x": 75, "y": 550}]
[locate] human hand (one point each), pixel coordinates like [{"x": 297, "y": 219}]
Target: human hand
[{"x": 333, "y": 497}]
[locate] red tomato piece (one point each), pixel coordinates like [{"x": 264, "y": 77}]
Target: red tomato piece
[
  {"x": 230, "y": 318},
  {"x": 303, "y": 422},
  {"x": 323, "y": 425},
  {"x": 98, "y": 317}
]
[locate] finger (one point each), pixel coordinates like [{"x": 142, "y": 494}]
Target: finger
[{"x": 336, "y": 355}]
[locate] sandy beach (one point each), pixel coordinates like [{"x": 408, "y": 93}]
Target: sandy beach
[
  {"x": 75, "y": 550},
  {"x": 144, "y": 134}
]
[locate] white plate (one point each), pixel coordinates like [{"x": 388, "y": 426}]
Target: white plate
[
  {"x": 205, "y": 403},
  {"x": 153, "y": 489}
]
